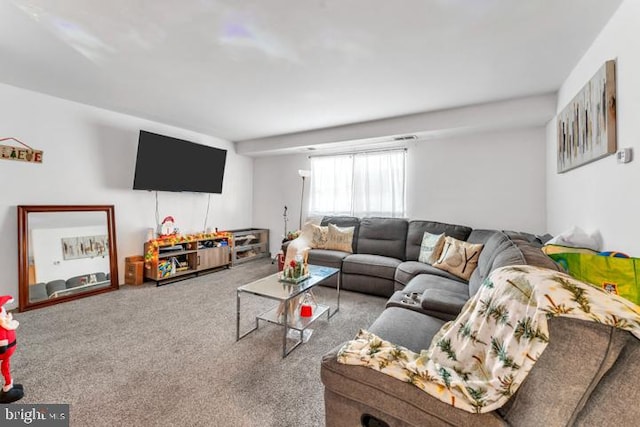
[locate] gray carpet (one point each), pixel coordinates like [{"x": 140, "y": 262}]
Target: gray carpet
[{"x": 167, "y": 356}]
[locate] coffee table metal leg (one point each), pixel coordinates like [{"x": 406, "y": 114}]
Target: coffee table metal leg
[
  {"x": 285, "y": 328},
  {"x": 238, "y": 336},
  {"x": 331, "y": 314},
  {"x": 237, "y": 315}
]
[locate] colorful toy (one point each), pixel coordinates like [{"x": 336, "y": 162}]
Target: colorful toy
[
  {"x": 165, "y": 268},
  {"x": 10, "y": 392}
]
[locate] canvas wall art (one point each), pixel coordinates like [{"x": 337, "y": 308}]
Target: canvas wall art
[
  {"x": 587, "y": 126},
  {"x": 84, "y": 247}
]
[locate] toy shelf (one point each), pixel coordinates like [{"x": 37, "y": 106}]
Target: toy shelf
[{"x": 248, "y": 244}]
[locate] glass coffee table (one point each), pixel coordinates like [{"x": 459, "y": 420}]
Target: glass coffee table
[{"x": 271, "y": 287}]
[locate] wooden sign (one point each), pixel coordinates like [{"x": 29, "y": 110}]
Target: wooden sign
[{"x": 27, "y": 154}]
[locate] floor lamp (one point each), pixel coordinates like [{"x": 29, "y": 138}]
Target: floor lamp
[{"x": 303, "y": 174}]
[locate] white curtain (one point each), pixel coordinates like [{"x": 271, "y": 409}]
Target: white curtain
[
  {"x": 331, "y": 185},
  {"x": 363, "y": 184},
  {"x": 378, "y": 184}
]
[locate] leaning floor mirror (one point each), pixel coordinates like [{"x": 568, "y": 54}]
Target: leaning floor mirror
[{"x": 65, "y": 253}]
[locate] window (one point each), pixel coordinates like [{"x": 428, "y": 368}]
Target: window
[{"x": 363, "y": 184}]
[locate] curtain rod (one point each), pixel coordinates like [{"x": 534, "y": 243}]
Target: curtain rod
[{"x": 351, "y": 153}]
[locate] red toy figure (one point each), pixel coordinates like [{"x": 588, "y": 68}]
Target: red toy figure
[{"x": 10, "y": 392}]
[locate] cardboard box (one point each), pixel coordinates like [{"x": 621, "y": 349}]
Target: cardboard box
[{"x": 134, "y": 270}]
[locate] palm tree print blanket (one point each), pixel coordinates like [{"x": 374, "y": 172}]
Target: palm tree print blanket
[{"x": 477, "y": 361}]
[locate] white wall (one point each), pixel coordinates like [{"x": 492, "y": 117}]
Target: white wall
[
  {"x": 489, "y": 180},
  {"x": 89, "y": 158},
  {"x": 276, "y": 184},
  {"x": 603, "y": 195}
]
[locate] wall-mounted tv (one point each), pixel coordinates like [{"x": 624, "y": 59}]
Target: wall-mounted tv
[{"x": 170, "y": 164}]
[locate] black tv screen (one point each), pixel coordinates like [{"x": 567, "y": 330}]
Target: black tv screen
[{"x": 170, "y": 164}]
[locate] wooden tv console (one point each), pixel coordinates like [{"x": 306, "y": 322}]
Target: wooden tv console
[{"x": 172, "y": 258}]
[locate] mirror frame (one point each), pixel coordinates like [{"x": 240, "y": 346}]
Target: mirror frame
[{"x": 23, "y": 252}]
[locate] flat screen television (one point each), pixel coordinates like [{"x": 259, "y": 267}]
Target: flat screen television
[{"x": 170, "y": 164}]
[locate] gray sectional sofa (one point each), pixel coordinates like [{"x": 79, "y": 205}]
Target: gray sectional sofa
[
  {"x": 584, "y": 377},
  {"x": 385, "y": 254},
  {"x": 42, "y": 291}
]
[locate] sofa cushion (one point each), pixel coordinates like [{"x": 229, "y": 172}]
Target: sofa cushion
[
  {"x": 85, "y": 279},
  {"x": 416, "y": 229},
  {"x": 410, "y": 269},
  {"x": 345, "y": 221},
  {"x": 533, "y": 255},
  {"x": 326, "y": 257},
  {"x": 431, "y": 247},
  {"x": 77, "y": 281},
  {"x": 407, "y": 328},
  {"x": 423, "y": 282},
  {"x": 555, "y": 391},
  {"x": 535, "y": 240},
  {"x": 494, "y": 246},
  {"x": 55, "y": 285},
  {"x": 38, "y": 292},
  {"x": 443, "y": 301},
  {"x": 480, "y": 235},
  {"x": 426, "y": 282},
  {"x": 383, "y": 236},
  {"x": 370, "y": 265},
  {"x": 367, "y": 284},
  {"x": 459, "y": 258},
  {"x": 511, "y": 255},
  {"x": 340, "y": 239}
]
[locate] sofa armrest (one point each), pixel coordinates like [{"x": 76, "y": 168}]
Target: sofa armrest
[{"x": 444, "y": 301}]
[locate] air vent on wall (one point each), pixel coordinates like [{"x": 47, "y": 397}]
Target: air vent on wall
[{"x": 405, "y": 138}]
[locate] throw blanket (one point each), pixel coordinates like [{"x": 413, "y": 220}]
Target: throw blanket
[{"x": 479, "y": 360}]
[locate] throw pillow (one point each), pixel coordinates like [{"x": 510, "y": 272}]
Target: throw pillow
[
  {"x": 459, "y": 258},
  {"x": 319, "y": 238},
  {"x": 431, "y": 247},
  {"x": 340, "y": 239}
]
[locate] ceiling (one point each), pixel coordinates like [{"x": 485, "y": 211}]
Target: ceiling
[{"x": 257, "y": 68}]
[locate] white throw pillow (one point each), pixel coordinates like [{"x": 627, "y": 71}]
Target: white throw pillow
[
  {"x": 340, "y": 239},
  {"x": 576, "y": 237},
  {"x": 431, "y": 247}
]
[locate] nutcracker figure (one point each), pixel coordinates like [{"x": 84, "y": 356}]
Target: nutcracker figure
[{"x": 10, "y": 392}]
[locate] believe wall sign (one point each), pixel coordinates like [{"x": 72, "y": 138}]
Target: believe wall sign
[
  {"x": 587, "y": 126},
  {"x": 27, "y": 154}
]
